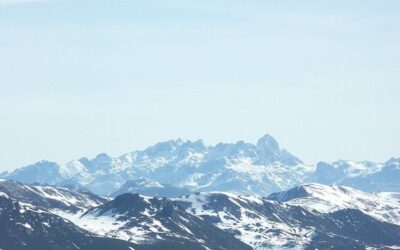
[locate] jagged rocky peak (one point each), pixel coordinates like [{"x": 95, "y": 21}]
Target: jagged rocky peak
[
  {"x": 269, "y": 152},
  {"x": 175, "y": 147},
  {"x": 102, "y": 162},
  {"x": 328, "y": 173},
  {"x": 84, "y": 160},
  {"x": 102, "y": 158},
  {"x": 296, "y": 192},
  {"x": 132, "y": 204},
  {"x": 323, "y": 166},
  {"x": 395, "y": 162},
  {"x": 268, "y": 142},
  {"x": 150, "y": 188},
  {"x": 44, "y": 164},
  {"x": 197, "y": 145},
  {"x": 232, "y": 151},
  {"x": 120, "y": 205},
  {"x": 127, "y": 201},
  {"x": 165, "y": 147}
]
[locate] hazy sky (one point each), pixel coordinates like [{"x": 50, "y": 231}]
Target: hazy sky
[{"x": 79, "y": 78}]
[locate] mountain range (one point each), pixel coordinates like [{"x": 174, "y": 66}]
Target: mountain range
[
  {"x": 311, "y": 216},
  {"x": 176, "y": 167},
  {"x": 184, "y": 195}
]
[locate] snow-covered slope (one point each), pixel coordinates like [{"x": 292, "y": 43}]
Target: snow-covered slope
[
  {"x": 327, "y": 199},
  {"x": 24, "y": 226},
  {"x": 141, "y": 219},
  {"x": 44, "y": 172},
  {"x": 267, "y": 224},
  {"x": 256, "y": 221},
  {"x": 50, "y": 197},
  {"x": 259, "y": 223},
  {"x": 366, "y": 176}
]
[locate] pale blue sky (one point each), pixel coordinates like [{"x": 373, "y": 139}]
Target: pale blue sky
[{"x": 79, "y": 78}]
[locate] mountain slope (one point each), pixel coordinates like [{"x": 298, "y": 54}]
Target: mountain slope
[
  {"x": 144, "y": 220},
  {"x": 259, "y": 223},
  {"x": 327, "y": 199},
  {"x": 366, "y": 176},
  {"x": 50, "y": 197},
  {"x": 31, "y": 229},
  {"x": 37, "y": 217},
  {"x": 307, "y": 217},
  {"x": 266, "y": 224}
]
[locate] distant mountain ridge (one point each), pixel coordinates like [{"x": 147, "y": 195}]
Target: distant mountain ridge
[
  {"x": 241, "y": 167},
  {"x": 150, "y": 188}
]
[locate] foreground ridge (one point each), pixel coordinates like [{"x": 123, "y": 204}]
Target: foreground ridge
[{"x": 305, "y": 217}]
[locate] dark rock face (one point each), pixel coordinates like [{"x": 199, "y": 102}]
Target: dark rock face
[
  {"x": 297, "y": 192},
  {"x": 352, "y": 229}
]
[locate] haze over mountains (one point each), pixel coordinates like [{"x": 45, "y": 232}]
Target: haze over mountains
[
  {"x": 175, "y": 167},
  {"x": 91, "y": 78}
]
